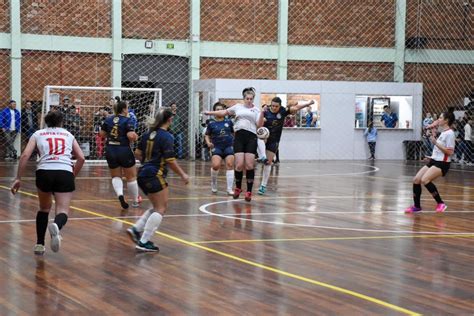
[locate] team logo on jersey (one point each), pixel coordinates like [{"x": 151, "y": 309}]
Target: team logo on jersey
[
  {"x": 116, "y": 119},
  {"x": 278, "y": 116},
  {"x": 152, "y": 135},
  {"x": 226, "y": 125}
]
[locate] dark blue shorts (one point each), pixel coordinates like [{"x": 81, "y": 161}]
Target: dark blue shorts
[
  {"x": 272, "y": 146},
  {"x": 223, "y": 151},
  {"x": 152, "y": 184},
  {"x": 119, "y": 156}
]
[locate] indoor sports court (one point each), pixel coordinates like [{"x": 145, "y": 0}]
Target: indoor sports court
[{"x": 351, "y": 185}]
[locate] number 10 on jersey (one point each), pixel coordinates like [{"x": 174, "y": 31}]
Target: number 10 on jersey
[{"x": 56, "y": 146}]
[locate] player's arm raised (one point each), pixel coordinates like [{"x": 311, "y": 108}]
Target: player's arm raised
[{"x": 296, "y": 107}]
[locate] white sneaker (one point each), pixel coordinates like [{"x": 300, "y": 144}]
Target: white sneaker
[
  {"x": 230, "y": 192},
  {"x": 39, "y": 249},
  {"x": 55, "y": 237},
  {"x": 135, "y": 204},
  {"x": 213, "y": 187}
]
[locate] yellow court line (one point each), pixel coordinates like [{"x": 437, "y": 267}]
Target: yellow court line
[
  {"x": 255, "y": 264},
  {"x": 328, "y": 238}
]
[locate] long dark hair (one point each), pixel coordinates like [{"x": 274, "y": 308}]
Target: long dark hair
[
  {"x": 277, "y": 100},
  {"x": 371, "y": 126},
  {"x": 120, "y": 106},
  {"x": 54, "y": 119},
  {"x": 164, "y": 114},
  {"x": 449, "y": 115}
]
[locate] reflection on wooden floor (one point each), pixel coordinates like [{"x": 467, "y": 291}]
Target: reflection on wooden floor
[{"x": 327, "y": 238}]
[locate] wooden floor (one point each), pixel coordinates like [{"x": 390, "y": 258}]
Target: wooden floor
[{"x": 328, "y": 238}]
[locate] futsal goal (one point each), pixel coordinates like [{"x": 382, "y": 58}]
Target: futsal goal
[{"x": 85, "y": 108}]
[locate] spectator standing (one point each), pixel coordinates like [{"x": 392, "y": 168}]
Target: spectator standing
[
  {"x": 371, "y": 134},
  {"x": 389, "y": 118},
  {"x": 176, "y": 131},
  {"x": 29, "y": 120},
  {"x": 10, "y": 122},
  {"x": 428, "y": 146},
  {"x": 468, "y": 142}
]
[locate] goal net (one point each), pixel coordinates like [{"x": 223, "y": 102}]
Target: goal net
[{"x": 85, "y": 108}]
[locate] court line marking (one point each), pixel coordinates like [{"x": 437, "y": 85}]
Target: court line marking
[
  {"x": 230, "y": 241},
  {"x": 203, "y": 209},
  {"x": 257, "y": 198},
  {"x": 374, "y": 169},
  {"x": 421, "y": 164},
  {"x": 13, "y": 221},
  {"x": 255, "y": 264},
  {"x": 410, "y": 181}
]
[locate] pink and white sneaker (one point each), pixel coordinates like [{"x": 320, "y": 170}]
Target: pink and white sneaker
[
  {"x": 441, "y": 208},
  {"x": 413, "y": 209}
]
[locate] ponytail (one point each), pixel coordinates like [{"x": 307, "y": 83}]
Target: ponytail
[
  {"x": 449, "y": 115},
  {"x": 249, "y": 90},
  {"x": 164, "y": 114}
]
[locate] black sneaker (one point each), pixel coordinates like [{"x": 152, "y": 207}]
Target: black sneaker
[
  {"x": 134, "y": 234},
  {"x": 123, "y": 203},
  {"x": 147, "y": 247}
]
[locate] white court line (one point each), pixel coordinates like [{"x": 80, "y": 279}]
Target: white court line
[
  {"x": 203, "y": 209},
  {"x": 374, "y": 169},
  {"x": 269, "y": 213}
]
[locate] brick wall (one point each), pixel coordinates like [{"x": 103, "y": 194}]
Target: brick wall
[
  {"x": 4, "y": 16},
  {"x": 239, "y": 21},
  {"x": 49, "y": 68},
  {"x": 445, "y": 24},
  {"x": 4, "y": 77},
  {"x": 66, "y": 17},
  {"x": 237, "y": 68},
  {"x": 342, "y": 23},
  {"x": 443, "y": 85},
  {"x": 339, "y": 71},
  {"x": 155, "y": 19}
]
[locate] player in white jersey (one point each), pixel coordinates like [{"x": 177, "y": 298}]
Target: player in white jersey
[
  {"x": 55, "y": 174},
  {"x": 248, "y": 118},
  {"x": 437, "y": 166}
]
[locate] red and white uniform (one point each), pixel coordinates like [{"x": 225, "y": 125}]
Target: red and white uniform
[
  {"x": 55, "y": 148},
  {"x": 447, "y": 139}
]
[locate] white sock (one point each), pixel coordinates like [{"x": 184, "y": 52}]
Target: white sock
[
  {"x": 230, "y": 179},
  {"x": 261, "y": 148},
  {"x": 133, "y": 190},
  {"x": 140, "y": 223},
  {"x": 214, "y": 174},
  {"x": 266, "y": 174},
  {"x": 151, "y": 226},
  {"x": 118, "y": 185}
]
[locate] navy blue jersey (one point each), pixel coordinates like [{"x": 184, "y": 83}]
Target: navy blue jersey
[
  {"x": 221, "y": 133},
  {"x": 117, "y": 127},
  {"x": 274, "y": 123},
  {"x": 157, "y": 148}
]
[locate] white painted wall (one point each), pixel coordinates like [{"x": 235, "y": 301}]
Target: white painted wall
[{"x": 337, "y": 138}]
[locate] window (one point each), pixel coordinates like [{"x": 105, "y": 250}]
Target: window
[
  {"x": 384, "y": 111},
  {"x": 306, "y": 117}
]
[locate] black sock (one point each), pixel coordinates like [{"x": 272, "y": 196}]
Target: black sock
[
  {"x": 417, "y": 194},
  {"x": 434, "y": 192},
  {"x": 250, "y": 175},
  {"x": 60, "y": 220},
  {"x": 41, "y": 225},
  {"x": 238, "y": 178}
]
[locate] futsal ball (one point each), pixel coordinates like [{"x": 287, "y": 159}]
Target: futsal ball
[{"x": 263, "y": 133}]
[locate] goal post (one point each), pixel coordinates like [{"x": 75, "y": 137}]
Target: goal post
[{"x": 85, "y": 108}]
